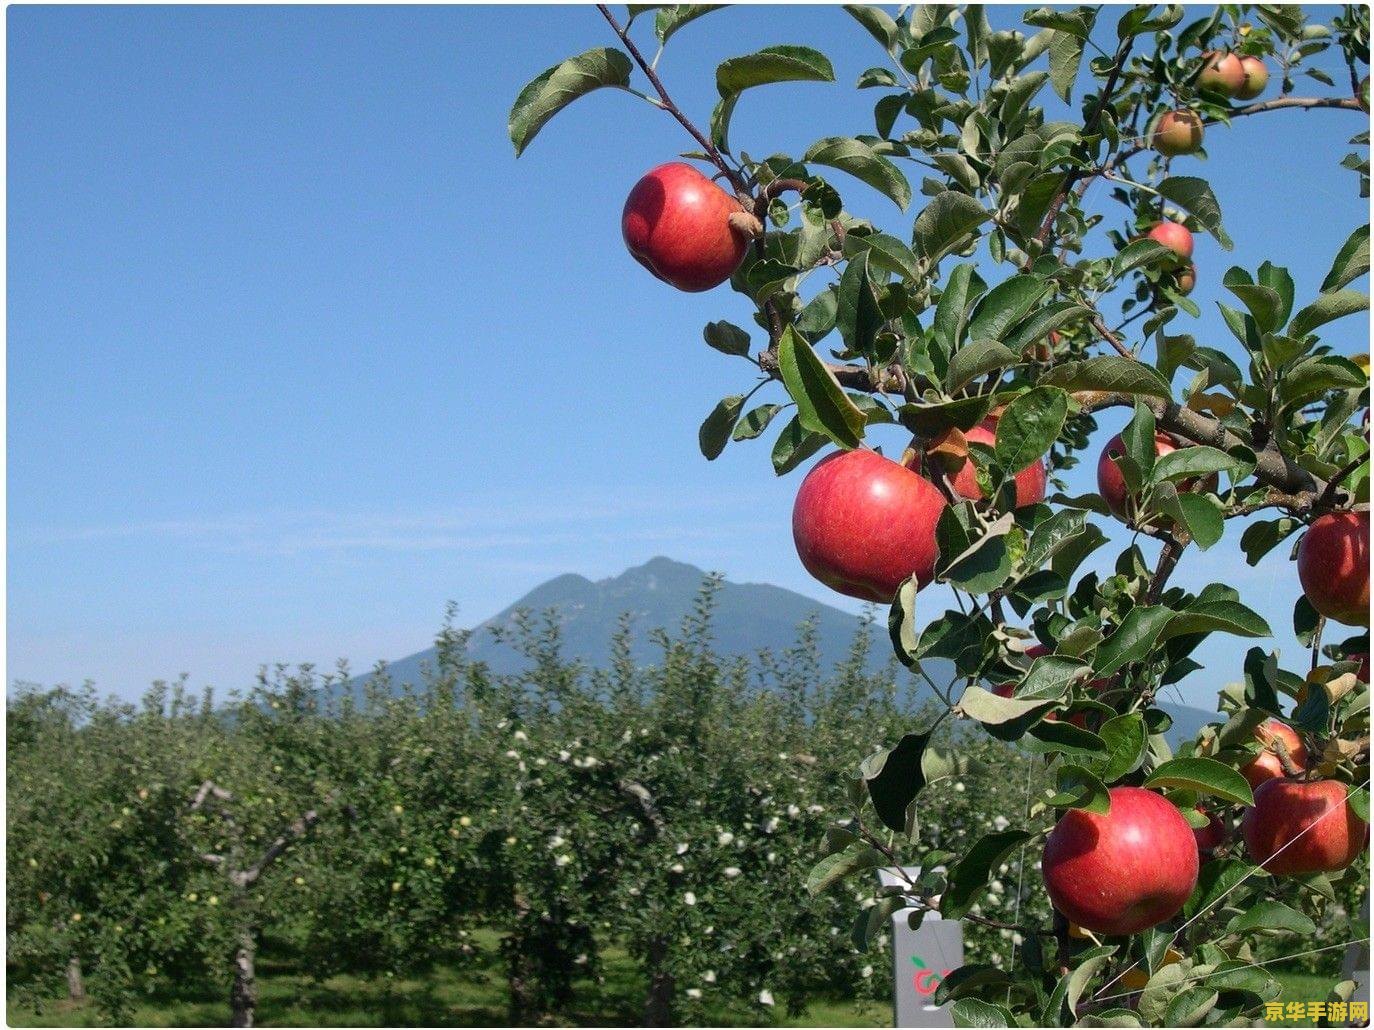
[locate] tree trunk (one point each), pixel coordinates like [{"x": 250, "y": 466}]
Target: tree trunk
[
  {"x": 76, "y": 987},
  {"x": 243, "y": 995},
  {"x": 519, "y": 976},
  {"x": 658, "y": 1003}
]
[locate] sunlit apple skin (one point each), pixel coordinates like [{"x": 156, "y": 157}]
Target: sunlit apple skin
[
  {"x": 1333, "y": 566},
  {"x": 1284, "y": 809},
  {"x": 1111, "y": 484},
  {"x": 1256, "y": 78},
  {"x": 676, "y": 224},
  {"x": 1030, "y": 481},
  {"x": 1266, "y": 765},
  {"x": 1211, "y": 836},
  {"x": 1223, "y": 73},
  {"x": 863, "y": 523},
  {"x": 1177, "y": 133},
  {"x": 1175, "y": 237},
  {"x": 1124, "y": 871}
]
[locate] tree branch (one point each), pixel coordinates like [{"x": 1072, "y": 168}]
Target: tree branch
[
  {"x": 210, "y": 789},
  {"x": 298, "y": 829},
  {"x": 735, "y": 179}
]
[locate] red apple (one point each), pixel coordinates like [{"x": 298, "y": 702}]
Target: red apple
[
  {"x": 1211, "y": 836},
  {"x": 1111, "y": 484},
  {"x": 1298, "y": 828},
  {"x": 1256, "y": 78},
  {"x": 1222, "y": 73},
  {"x": 676, "y": 223},
  {"x": 1266, "y": 765},
  {"x": 1333, "y": 566},
  {"x": 863, "y": 523},
  {"x": 1124, "y": 871},
  {"x": 1175, "y": 237},
  {"x": 1178, "y": 132},
  {"x": 1030, "y": 481}
]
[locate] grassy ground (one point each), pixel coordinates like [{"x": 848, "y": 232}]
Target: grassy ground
[{"x": 470, "y": 997}]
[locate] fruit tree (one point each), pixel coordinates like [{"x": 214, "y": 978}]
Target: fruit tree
[{"x": 987, "y": 328}]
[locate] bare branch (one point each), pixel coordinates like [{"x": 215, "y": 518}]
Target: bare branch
[{"x": 210, "y": 789}]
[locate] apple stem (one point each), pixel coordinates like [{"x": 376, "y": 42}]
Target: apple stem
[{"x": 1290, "y": 767}]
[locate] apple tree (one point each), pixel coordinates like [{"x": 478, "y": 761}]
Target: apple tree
[{"x": 994, "y": 327}]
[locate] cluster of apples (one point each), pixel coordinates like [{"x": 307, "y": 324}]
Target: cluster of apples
[
  {"x": 863, "y": 524},
  {"x": 1230, "y": 75}
]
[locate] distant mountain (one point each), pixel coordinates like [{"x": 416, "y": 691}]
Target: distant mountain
[{"x": 748, "y": 618}]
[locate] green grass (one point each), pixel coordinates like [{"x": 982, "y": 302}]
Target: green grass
[
  {"x": 476, "y": 996},
  {"x": 473, "y": 995}
]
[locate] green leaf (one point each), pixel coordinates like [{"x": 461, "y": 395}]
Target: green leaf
[
  {"x": 930, "y": 420},
  {"x": 1195, "y": 461},
  {"x": 894, "y": 778},
  {"x": 834, "y": 868},
  {"x": 974, "y": 1012},
  {"x": 901, "y": 623},
  {"x": 1137, "y": 254},
  {"x": 975, "y": 359},
  {"x": 822, "y": 405},
  {"x": 720, "y": 121},
  {"x": 1109, "y": 374},
  {"x": 945, "y": 223},
  {"x": 673, "y": 16},
  {"x": 972, "y": 872},
  {"x": 863, "y": 162},
  {"x": 1077, "y": 21},
  {"x": 1066, "y": 54},
  {"x": 1271, "y": 915},
  {"x": 773, "y": 64},
  {"x": 1314, "y": 376},
  {"x": 857, "y": 316},
  {"x": 992, "y": 710},
  {"x": 727, "y": 338},
  {"x": 1217, "y": 617},
  {"x": 794, "y": 445},
  {"x": 951, "y": 312},
  {"x": 1133, "y": 639},
  {"x": 885, "y": 251},
  {"x": 1195, "y": 196},
  {"x": 755, "y": 422},
  {"x": 559, "y": 86},
  {"x": 1327, "y": 308},
  {"x": 1199, "y": 514},
  {"x": 1077, "y": 787},
  {"x": 1004, "y": 306},
  {"x": 1264, "y": 304},
  {"x": 877, "y": 21},
  {"x": 1204, "y": 775},
  {"x": 715, "y": 431},
  {"x": 1190, "y": 1007},
  {"x": 1351, "y": 262},
  {"x": 1126, "y": 739},
  {"x": 1029, "y": 427}
]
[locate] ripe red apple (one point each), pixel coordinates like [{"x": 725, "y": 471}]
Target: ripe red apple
[
  {"x": 1333, "y": 566},
  {"x": 1030, "y": 481},
  {"x": 1178, "y": 132},
  {"x": 676, "y": 223},
  {"x": 863, "y": 523},
  {"x": 1111, "y": 484},
  {"x": 1298, "y": 828},
  {"x": 1124, "y": 871},
  {"x": 1211, "y": 836},
  {"x": 1222, "y": 73},
  {"x": 1266, "y": 765},
  {"x": 1256, "y": 78},
  {"x": 1175, "y": 237}
]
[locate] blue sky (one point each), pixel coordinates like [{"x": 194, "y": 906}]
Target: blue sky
[{"x": 298, "y": 351}]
